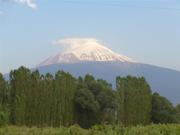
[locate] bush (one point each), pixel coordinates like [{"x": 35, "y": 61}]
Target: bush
[{"x": 3, "y": 118}]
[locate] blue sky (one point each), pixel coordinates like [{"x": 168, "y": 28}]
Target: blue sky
[{"x": 146, "y": 30}]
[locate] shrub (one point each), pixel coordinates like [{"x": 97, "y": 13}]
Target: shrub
[{"x": 3, "y": 118}]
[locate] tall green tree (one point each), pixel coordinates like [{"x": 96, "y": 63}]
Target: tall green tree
[
  {"x": 20, "y": 81},
  {"x": 4, "y": 106},
  {"x": 49, "y": 99},
  {"x": 65, "y": 86},
  {"x": 4, "y": 93},
  {"x": 34, "y": 99},
  {"x": 134, "y": 100}
]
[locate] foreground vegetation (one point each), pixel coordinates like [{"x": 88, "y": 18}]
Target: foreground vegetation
[{"x": 95, "y": 130}]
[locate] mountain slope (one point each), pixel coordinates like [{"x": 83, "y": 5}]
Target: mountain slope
[{"x": 163, "y": 80}]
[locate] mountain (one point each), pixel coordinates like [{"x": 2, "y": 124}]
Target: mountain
[
  {"x": 163, "y": 80},
  {"x": 84, "y": 56},
  {"x": 85, "y": 50}
]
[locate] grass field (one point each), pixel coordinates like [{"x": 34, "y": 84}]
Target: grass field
[{"x": 96, "y": 130}]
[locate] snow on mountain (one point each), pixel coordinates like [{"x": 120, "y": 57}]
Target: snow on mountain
[{"x": 81, "y": 50}]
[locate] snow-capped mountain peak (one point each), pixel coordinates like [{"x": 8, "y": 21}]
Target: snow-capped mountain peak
[{"x": 82, "y": 50}]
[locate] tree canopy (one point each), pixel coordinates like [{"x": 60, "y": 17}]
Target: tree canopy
[{"x": 33, "y": 99}]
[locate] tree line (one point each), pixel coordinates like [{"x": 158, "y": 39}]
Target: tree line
[{"x": 32, "y": 99}]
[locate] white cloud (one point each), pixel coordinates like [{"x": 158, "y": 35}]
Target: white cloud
[
  {"x": 29, "y": 3},
  {"x": 72, "y": 43}
]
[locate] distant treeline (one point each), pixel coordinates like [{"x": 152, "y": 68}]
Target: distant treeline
[{"x": 32, "y": 99}]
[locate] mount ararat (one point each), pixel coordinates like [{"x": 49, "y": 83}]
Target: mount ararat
[{"x": 88, "y": 56}]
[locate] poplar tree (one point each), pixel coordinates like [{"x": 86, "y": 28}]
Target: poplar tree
[
  {"x": 65, "y": 86},
  {"x": 3, "y": 93},
  {"x": 20, "y": 87},
  {"x": 4, "y": 107},
  {"x": 135, "y": 97}
]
